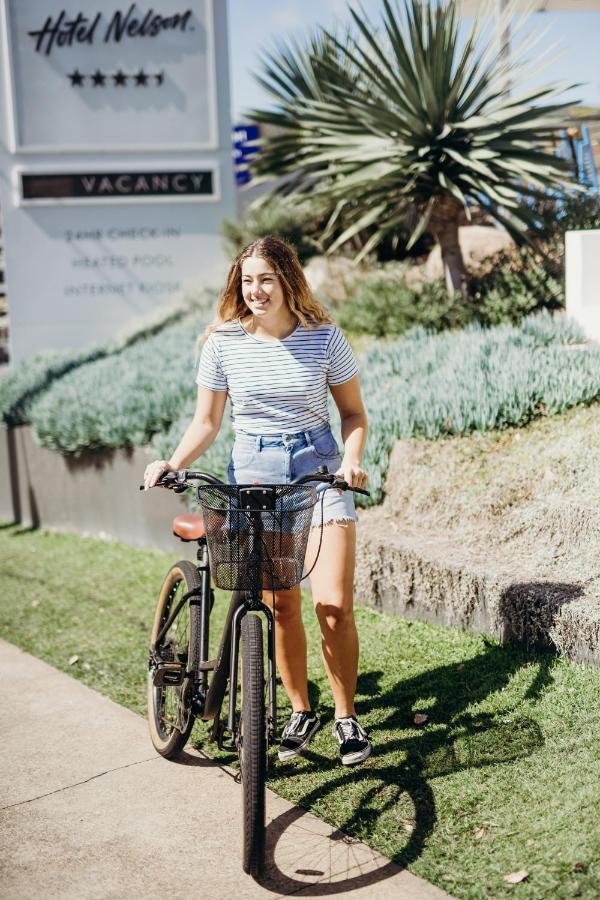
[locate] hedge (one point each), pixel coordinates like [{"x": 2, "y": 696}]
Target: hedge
[
  {"x": 121, "y": 399},
  {"x": 434, "y": 385},
  {"x": 425, "y": 385},
  {"x": 421, "y": 384},
  {"x": 21, "y": 385}
]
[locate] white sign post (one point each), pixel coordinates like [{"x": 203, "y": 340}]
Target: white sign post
[{"x": 115, "y": 154}]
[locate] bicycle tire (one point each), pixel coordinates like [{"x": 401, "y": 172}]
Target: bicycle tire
[
  {"x": 253, "y": 754},
  {"x": 169, "y": 721}
]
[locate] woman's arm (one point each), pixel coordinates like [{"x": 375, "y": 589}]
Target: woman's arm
[
  {"x": 349, "y": 402},
  {"x": 198, "y": 436},
  {"x": 202, "y": 430}
]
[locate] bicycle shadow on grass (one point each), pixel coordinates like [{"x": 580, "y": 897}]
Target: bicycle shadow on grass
[{"x": 388, "y": 801}]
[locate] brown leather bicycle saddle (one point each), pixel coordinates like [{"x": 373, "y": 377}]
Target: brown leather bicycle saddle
[{"x": 189, "y": 527}]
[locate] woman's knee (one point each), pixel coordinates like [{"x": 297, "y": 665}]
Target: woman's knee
[
  {"x": 335, "y": 615},
  {"x": 287, "y": 607}
]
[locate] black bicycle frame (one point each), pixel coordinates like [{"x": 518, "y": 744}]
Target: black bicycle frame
[{"x": 210, "y": 697}]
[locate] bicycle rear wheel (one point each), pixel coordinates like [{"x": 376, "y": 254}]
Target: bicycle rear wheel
[
  {"x": 253, "y": 749},
  {"x": 169, "y": 705}
]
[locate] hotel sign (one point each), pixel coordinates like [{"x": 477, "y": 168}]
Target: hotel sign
[
  {"x": 115, "y": 151},
  {"x": 61, "y": 31},
  {"x": 110, "y": 77},
  {"x": 119, "y": 185}
]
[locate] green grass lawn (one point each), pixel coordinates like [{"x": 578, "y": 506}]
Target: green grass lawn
[{"x": 504, "y": 776}]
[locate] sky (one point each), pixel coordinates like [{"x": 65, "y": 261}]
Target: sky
[{"x": 253, "y": 26}]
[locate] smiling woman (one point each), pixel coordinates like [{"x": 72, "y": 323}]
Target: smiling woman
[
  {"x": 263, "y": 293},
  {"x": 275, "y": 352}
]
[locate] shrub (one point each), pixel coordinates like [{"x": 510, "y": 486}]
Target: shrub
[
  {"x": 298, "y": 223},
  {"x": 386, "y": 306},
  {"x": 576, "y": 212},
  {"x": 434, "y": 385},
  {"x": 426, "y": 385},
  {"x": 20, "y": 387},
  {"x": 514, "y": 285},
  {"x": 529, "y": 279},
  {"x": 121, "y": 399},
  {"x": 517, "y": 283}
]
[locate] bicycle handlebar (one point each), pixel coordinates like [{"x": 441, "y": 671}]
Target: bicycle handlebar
[
  {"x": 334, "y": 480},
  {"x": 178, "y": 481}
]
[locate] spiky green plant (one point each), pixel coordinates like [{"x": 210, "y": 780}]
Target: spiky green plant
[{"x": 408, "y": 121}]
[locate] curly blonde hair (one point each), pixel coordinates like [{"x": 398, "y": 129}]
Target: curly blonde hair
[{"x": 286, "y": 265}]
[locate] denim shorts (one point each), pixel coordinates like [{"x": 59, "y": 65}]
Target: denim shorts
[{"x": 283, "y": 458}]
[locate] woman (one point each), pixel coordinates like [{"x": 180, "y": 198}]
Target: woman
[{"x": 275, "y": 351}]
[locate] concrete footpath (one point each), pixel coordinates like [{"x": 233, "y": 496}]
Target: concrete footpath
[{"x": 89, "y": 810}]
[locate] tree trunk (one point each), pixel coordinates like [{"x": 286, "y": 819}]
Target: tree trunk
[{"x": 444, "y": 227}]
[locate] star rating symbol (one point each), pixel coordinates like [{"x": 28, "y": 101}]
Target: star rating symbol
[
  {"x": 77, "y": 78},
  {"x": 119, "y": 78}
]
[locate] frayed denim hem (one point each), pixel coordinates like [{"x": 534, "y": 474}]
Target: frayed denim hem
[{"x": 340, "y": 520}]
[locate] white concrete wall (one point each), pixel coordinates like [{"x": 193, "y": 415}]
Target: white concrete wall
[{"x": 582, "y": 280}]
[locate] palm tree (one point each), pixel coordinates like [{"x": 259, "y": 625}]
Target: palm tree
[{"x": 408, "y": 123}]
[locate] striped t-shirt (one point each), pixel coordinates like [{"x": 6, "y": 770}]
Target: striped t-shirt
[{"x": 276, "y": 386}]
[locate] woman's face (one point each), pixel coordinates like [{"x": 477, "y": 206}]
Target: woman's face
[{"x": 261, "y": 288}]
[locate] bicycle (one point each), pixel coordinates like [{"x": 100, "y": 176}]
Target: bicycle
[{"x": 250, "y": 538}]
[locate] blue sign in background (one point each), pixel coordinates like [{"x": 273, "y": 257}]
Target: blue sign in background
[{"x": 246, "y": 146}]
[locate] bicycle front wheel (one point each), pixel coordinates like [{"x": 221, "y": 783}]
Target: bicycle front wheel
[
  {"x": 253, "y": 749},
  {"x": 169, "y": 705}
]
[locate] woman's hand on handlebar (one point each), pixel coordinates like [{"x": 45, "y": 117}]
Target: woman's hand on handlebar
[
  {"x": 154, "y": 471},
  {"x": 352, "y": 473}
]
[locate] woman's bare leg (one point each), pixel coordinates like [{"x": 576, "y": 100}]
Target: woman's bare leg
[
  {"x": 290, "y": 645},
  {"x": 332, "y": 583}
]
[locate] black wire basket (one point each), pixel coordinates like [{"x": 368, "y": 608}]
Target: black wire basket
[{"x": 257, "y": 535}]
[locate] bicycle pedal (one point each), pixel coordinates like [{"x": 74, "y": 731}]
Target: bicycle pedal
[{"x": 168, "y": 674}]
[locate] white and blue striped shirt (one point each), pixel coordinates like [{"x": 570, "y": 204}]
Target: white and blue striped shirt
[{"x": 276, "y": 387}]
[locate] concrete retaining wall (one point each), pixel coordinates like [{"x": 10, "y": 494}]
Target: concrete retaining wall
[
  {"x": 395, "y": 577},
  {"x": 95, "y": 493}
]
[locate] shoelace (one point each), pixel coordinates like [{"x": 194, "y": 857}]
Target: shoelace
[
  {"x": 350, "y": 729},
  {"x": 295, "y": 720}
]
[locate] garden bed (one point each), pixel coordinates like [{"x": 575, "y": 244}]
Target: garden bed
[
  {"x": 445, "y": 561},
  {"x": 497, "y": 533}
]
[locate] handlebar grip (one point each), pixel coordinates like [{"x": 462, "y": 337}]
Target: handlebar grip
[
  {"x": 344, "y": 486},
  {"x": 168, "y": 480}
]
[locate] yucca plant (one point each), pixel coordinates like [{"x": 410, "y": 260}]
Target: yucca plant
[{"x": 406, "y": 121}]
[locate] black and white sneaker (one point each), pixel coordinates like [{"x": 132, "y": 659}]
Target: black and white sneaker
[
  {"x": 297, "y": 734},
  {"x": 353, "y": 740}
]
